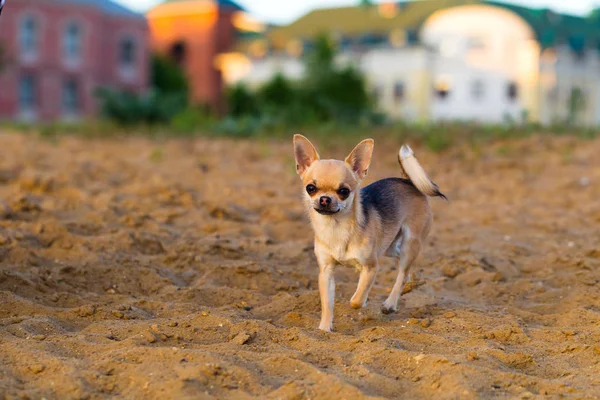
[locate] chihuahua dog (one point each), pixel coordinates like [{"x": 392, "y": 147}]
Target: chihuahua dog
[{"x": 354, "y": 227}]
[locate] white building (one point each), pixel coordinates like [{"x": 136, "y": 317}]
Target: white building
[{"x": 433, "y": 60}]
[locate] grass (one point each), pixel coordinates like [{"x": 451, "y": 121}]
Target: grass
[{"x": 436, "y": 137}]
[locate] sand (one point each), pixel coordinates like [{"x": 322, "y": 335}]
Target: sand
[{"x": 184, "y": 269}]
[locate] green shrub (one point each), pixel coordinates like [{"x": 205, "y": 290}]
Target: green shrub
[
  {"x": 191, "y": 120},
  {"x": 166, "y": 76},
  {"x": 151, "y": 108},
  {"x": 241, "y": 101},
  {"x": 278, "y": 92},
  {"x": 168, "y": 97},
  {"x": 244, "y": 126},
  {"x": 327, "y": 94},
  {"x": 339, "y": 94}
]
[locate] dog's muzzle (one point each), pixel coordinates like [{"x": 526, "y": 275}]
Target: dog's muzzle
[{"x": 326, "y": 211}]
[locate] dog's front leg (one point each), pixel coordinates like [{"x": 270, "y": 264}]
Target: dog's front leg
[
  {"x": 365, "y": 283},
  {"x": 326, "y": 290}
]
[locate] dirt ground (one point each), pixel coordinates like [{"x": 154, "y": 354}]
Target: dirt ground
[{"x": 183, "y": 269}]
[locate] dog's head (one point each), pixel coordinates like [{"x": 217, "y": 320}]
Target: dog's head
[{"x": 330, "y": 185}]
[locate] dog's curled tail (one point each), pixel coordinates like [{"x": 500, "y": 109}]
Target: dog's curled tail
[{"x": 416, "y": 174}]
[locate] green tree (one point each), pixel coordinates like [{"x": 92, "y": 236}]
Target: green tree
[
  {"x": 327, "y": 93},
  {"x": 337, "y": 93},
  {"x": 320, "y": 60},
  {"x": 166, "y": 76}
]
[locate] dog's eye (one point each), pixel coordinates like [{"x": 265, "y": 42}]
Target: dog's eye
[
  {"x": 344, "y": 192},
  {"x": 311, "y": 189}
]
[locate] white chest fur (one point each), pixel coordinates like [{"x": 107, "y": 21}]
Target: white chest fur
[{"x": 337, "y": 237}]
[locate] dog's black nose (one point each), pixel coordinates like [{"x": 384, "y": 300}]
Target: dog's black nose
[{"x": 325, "y": 201}]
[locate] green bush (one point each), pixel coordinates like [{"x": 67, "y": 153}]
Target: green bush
[
  {"x": 338, "y": 94},
  {"x": 244, "y": 126},
  {"x": 328, "y": 94},
  {"x": 278, "y": 92},
  {"x": 168, "y": 97},
  {"x": 151, "y": 108},
  {"x": 191, "y": 120},
  {"x": 241, "y": 101},
  {"x": 166, "y": 76}
]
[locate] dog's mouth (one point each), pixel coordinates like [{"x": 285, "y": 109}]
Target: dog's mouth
[{"x": 326, "y": 212}]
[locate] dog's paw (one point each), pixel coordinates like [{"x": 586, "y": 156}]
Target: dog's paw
[
  {"x": 388, "y": 309},
  {"x": 357, "y": 304},
  {"x": 326, "y": 327}
]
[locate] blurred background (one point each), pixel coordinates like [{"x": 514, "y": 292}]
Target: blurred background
[{"x": 241, "y": 67}]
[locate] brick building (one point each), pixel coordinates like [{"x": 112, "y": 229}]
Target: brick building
[
  {"x": 54, "y": 54},
  {"x": 195, "y": 33}
]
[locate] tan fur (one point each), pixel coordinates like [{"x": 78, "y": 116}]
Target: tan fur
[{"x": 348, "y": 237}]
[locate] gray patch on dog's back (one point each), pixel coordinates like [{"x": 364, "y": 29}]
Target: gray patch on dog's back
[{"x": 383, "y": 196}]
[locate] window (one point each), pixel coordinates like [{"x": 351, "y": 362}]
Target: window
[
  {"x": 72, "y": 41},
  {"x": 371, "y": 39},
  {"x": 127, "y": 53},
  {"x": 27, "y": 93},
  {"x": 28, "y": 35},
  {"x": 477, "y": 89},
  {"x": 178, "y": 53},
  {"x": 345, "y": 43},
  {"x": 398, "y": 92},
  {"x": 412, "y": 36},
  {"x": 70, "y": 97},
  {"x": 512, "y": 91},
  {"x": 442, "y": 87}
]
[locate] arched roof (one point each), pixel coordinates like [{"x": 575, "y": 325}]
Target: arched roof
[{"x": 381, "y": 19}]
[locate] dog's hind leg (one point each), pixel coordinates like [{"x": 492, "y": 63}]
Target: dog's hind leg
[{"x": 409, "y": 250}]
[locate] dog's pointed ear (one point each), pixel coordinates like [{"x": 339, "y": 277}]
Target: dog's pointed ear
[
  {"x": 360, "y": 158},
  {"x": 305, "y": 153}
]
